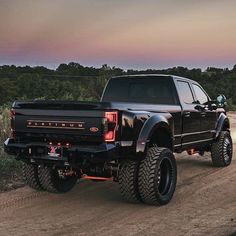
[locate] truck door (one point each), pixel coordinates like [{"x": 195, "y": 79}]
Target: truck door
[
  {"x": 208, "y": 116},
  {"x": 191, "y": 117}
]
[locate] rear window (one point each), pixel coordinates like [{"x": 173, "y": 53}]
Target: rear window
[{"x": 159, "y": 90}]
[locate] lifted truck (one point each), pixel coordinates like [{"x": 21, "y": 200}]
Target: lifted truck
[{"x": 129, "y": 137}]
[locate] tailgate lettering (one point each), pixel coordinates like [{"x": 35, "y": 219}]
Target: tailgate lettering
[{"x": 80, "y": 125}]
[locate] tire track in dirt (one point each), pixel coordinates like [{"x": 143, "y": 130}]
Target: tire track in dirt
[{"x": 17, "y": 201}]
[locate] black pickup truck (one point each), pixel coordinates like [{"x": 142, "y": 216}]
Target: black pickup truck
[{"x": 129, "y": 137}]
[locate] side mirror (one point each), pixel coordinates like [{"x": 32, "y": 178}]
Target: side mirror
[
  {"x": 213, "y": 106},
  {"x": 221, "y": 100}
]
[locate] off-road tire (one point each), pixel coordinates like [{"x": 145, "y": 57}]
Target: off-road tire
[
  {"x": 30, "y": 172},
  {"x": 52, "y": 182},
  {"x": 157, "y": 176},
  {"x": 222, "y": 150},
  {"x": 128, "y": 181}
]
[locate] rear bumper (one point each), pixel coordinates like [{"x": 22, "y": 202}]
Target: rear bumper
[{"x": 38, "y": 151}]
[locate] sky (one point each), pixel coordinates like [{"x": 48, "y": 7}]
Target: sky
[{"x": 133, "y": 34}]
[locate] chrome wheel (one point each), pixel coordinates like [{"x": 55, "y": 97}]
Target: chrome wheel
[
  {"x": 222, "y": 150},
  {"x": 227, "y": 149},
  {"x": 164, "y": 176}
]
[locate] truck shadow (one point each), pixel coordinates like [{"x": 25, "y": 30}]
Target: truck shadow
[{"x": 190, "y": 168}]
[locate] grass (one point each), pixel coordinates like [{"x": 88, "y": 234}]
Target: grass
[
  {"x": 11, "y": 175},
  {"x": 8, "y": 165},
  {"x": 10, "y": 170}
]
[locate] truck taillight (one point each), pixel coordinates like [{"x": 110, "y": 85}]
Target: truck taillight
[
  {"x": 12, "y": 115},
  {"x": 111, "y": 122}
]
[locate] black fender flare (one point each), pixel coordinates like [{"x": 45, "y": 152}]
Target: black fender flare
[
  {"x": 222, "y": 121},
  {"x": 150, "y": 126}
]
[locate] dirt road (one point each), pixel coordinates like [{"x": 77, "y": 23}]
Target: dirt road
[{"x": 204, "y": 204}]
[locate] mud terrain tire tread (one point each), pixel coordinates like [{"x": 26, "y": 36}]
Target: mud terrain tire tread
[
  {"x": 150, "y": 176},
  {"x": 128, "y": 181},
  {"x": 51, "y": 181},
  {"x": 217, "y": 150},
  {"x": 30, "y": 172}
]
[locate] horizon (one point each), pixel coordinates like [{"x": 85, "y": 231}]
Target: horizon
[
  {"x": 111, "y": 66},
  {"x": 153, "y": 35}
]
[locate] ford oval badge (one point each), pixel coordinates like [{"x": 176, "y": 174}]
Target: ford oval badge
[{"x": 94, "y": 129}]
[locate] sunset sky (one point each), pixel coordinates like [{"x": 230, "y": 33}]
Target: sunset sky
[{"x": 125, "y": 33}]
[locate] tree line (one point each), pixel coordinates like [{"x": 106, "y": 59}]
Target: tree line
[{"x": 74, "y": 81}]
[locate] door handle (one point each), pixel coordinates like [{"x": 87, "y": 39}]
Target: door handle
[
  {"x": 200, "y": 107},
  {"x": 203, "y": 114},
  {"x": 187, "y": 114}
]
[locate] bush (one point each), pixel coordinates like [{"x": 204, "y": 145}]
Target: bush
[
  {"x": 5, "y": 127},
  {"x": 10, "y": 169}
]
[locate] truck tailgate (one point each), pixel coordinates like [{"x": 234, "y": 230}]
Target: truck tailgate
[{"x": 57, "y": 121}]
